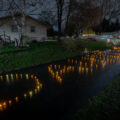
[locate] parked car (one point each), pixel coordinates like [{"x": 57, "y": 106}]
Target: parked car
[
  {"x": 104, "y": 37},
  {"x": 92, "y": 39},
  {"x": 51, "y": 38},
  {"x": 118, "y": 37}
]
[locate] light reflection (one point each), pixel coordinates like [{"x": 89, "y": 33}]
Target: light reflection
[
  {"x": 25, "y": 95},
  {"x": 16, "y": 99},
  {"x": 4, "y": 104},
  {"x": 88, "y": 64},
  {"x": 12, "y": 78},
  {"x": 27, "y": 76}
]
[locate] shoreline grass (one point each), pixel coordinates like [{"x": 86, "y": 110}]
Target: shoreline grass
[
  {"x": 105, "y": 106},
  {"x": 12, "y": 58}
]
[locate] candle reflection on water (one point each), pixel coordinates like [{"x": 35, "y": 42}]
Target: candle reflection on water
[
  {"x": 88, "y": 64},
  {"x": 9, "y": 78}
]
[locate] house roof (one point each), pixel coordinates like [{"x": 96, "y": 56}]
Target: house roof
[{"x": 29, "y": 16}]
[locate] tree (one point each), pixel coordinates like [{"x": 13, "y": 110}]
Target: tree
[
  {"x": 69, "y": 11},
  {"x": 60, "y": 6},
  {"x": 117, "y": 25},
  {"x": 84, "y": 15},
  {"x": 91, "y": 13}
]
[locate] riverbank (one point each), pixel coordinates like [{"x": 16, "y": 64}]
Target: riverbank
[
  {"x": 12, "y": 58},
  {"x": 105, "y": 106}
]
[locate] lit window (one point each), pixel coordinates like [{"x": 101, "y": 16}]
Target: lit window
[
  {"x": 14, "y": 28},
  {"x": 33, "y": 29}
]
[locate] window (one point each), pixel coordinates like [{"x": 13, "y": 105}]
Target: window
[
  {"x": 33, "y": 29},
  {"x": 14, "y": 28}
]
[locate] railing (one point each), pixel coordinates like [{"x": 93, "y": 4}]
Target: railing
[{"x": 5, "y": 38}]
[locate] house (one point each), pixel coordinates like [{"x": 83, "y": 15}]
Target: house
[{"x": 34, "y": 29}]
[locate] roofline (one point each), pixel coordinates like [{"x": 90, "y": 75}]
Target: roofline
[{"x": 44, "y": 23}]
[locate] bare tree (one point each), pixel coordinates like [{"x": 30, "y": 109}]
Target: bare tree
[
  {"x": 84, "y": 15},
  {"x": 109, "y": 9},
  {"x": 87, "y": 13},
  {"x": 69, "y": 11},
  {"x": 60, "y": 7}
]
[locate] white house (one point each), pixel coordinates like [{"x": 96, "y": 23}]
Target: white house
[{"x": 33, "y": 29}]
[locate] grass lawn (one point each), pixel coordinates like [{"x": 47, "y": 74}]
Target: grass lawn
[
  {"x": 12, "y": 58},
  {"x": 105, "y": 106}
]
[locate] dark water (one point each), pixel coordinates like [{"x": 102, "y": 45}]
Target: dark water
[{"x": 59, "y": 97}]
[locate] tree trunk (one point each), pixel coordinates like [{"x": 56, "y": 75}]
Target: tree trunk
[
  {"x": 22, "y": 30},
  {"x": 60, "y": 4},
  {"x": 68, "y": 16},
  {"x": 17, "y": 41}
]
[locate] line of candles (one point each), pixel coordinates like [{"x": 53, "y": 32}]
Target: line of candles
[
  {"x": 4, "y": 104},
  {"x": 86, "y": 64}
]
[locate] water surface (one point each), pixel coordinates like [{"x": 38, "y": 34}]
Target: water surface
[{"x": 57, "y": 90}]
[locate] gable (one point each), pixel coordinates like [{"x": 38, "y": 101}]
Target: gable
[
  {"x": 31, "y": 22},
  {"x": 28, "y": 18}
]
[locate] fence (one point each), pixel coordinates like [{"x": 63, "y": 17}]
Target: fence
[{"x": 4, "y": 38}]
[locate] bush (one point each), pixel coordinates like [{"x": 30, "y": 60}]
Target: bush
[
  {"x": 72, "y": 45},
  {"x": 89, "y": 31},
  {"x": 25, "y": 40},
  {"x": 34, "y": 41}
]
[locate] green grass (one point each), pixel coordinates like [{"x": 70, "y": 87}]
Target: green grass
[
  {"x": 95, "y": 45},
  {"x": 72, "y": 45},
  {"x": 12, "y": 58},
  {"x": 105, "y": 106}
]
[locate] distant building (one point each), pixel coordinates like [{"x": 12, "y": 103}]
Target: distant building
[{"x": 34, "y": 29}]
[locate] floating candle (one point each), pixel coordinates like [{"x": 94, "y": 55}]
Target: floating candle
[{"x": 16, "y": 99}]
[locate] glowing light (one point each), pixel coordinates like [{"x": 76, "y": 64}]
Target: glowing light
[
  {"x": 35, "y": 91},
  {"x": 31, "y": 93},
  {"x": 32, "y": 76},
  {"x": 27, "y": 76},
  {"x": 57, "y": 73},
  {"x": 88, "y": 64},
  {"x": 16, "y": 99},
  {"x": 7, "y": 77},
  {"x": 4, "y": 104},
  {"x": 16, "y": 76},
  {"x": 10, "y": 102},
  {"x": 1, "y": 77},
  {"x": 21, "y": 76},
  {"x": 1, "y": 107},
  {"x": 87, "y": 70},
  {"x": 12, "y": 78},
  {"x": 55, "y": 66},
  {"x": 25, "y": 95}
]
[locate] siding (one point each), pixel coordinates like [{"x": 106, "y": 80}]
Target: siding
[
  {"x": 7, "y": 28},
  {"x": 39, "y": 35},
  {"x": 41, "y": 30}
]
